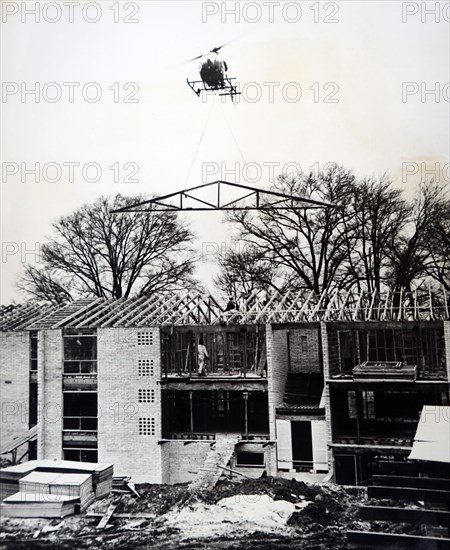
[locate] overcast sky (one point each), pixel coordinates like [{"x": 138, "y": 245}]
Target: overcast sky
[{"x": 350, "y": 61}]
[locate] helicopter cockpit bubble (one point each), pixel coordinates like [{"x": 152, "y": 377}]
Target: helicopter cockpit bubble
[
  {"x": 212, "y": 70},
  {"x": 211, "y": 60}
]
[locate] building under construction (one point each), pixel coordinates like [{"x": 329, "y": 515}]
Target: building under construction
[{"x": 294, "y": 382}]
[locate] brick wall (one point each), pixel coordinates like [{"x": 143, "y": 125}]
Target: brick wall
[
  {"x": 184, "y": 459},
  {"x": 447, "y": 349},
  {"x": 14, "y": 384},
  {"x": 165, "y": 465},
  {"x": 50, "y": 396},
  {"x": 304, "y": 349},
  {"x": 270, "y": 459},
  {"x": 129, "y": 401},
  {"x": 326, "y": 374},
  {"x": 277, "y": 370}
]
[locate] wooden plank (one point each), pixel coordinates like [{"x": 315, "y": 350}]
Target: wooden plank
[
  {"x": 304, "y": 306},
  {"x": 71, "y": 319},
  {"x": 407, "y": 515},
  {"x": 407, "y": 493},
  {"x": 132, "y": 488},
  {"x": 358, "y": 303},
  {"x": 398, "y": 468},
  {"x": 234, "y": 471},
  {"x": 438, "y": 483},
  {"x": 13, "y": 444},
  {"x": 136, "y": 515},
  {"x": 121, "y": 310},
  {"x": 366, "y": 539},
  {"x": 107, "y": 516}
]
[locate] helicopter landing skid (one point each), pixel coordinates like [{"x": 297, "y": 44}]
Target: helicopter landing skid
[{"x": 227, "y": 88}]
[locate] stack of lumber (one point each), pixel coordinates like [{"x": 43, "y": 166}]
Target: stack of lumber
[
  {"x": 49, "y": 484},
  {"x": 101, "y": 473},
  {"x": 49, "y": 494},
  {"x": 10, "y": 476},
  {"x": 52, "y": 488},
  {"x": 31, "y": 505}
]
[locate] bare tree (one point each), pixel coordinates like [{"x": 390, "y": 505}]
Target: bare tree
[
  {"x": 370, "y": 238},
  {"x": 437, "y": 241},
  {"x": 419, "y": 250},
  {"x": 379, "y": 214},
  {"x": 309, "y": 248},
  {"x": 439, "y": 265},
  {"x": 96, "y": 253},
  {"x": 43, "y": 285},
  {"x": 244, "y": 273}
]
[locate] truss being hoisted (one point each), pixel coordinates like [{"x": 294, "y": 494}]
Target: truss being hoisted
[{"x": 219, "y": 195}]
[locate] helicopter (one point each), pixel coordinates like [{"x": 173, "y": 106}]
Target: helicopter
[{"x": 213, "y": 73}]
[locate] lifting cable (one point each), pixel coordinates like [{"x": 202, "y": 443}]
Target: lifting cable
[
  {"x": 201, "y": 138},
  {"x": 232, "y": 134},
  {"x": 215, "y": 100}
]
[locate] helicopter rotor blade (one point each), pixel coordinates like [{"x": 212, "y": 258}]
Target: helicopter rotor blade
[
  {"x": 189, "y": 60},
  {"x": 215, "y": 50},
  {"x": 195, "y": 58}
]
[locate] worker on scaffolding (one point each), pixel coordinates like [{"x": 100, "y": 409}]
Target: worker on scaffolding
[{"x": 202, "y": 355}]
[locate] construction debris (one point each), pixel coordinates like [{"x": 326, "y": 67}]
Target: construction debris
[
  {"x": 257, "y": 513},
  {"x": 234, "y": 471},
  {"x": 210, "y": 471},
  {"x": 132, "y": 488},
  {"x": 107, "y": 516}
]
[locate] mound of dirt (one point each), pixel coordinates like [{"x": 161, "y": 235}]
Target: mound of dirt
[
  {"x": 154, "y": 499},
  {"x": 278, "y": 488}
]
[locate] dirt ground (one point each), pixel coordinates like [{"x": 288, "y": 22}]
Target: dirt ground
[{"x": 176, "y": 519}]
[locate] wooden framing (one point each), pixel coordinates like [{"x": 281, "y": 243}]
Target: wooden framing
[
  {"x": 425, "y": 490},
  {"x": 407, "y": 515},
  {"x": 436, "y": 483},
  {"x": 407, "y": 469},
  {"x": 259, "y": 308},
  {"x": 408, "y": 494},
  {"x": 18, "y": 317},
  {"x": 368, "y": 539}
]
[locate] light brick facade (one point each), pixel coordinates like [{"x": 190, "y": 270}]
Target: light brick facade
[
  {"x": 447, "y": 349},
  {"x": 270, "y": 458},
  {"x": 326, "y": 374},
  {"x": 183, "y": 459},
  {"x": 50, "y": 394},
  {"x": 129, "y": 402},
  {"x": 14, "y": 385},
  {"x": 277, "y": 371}
]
